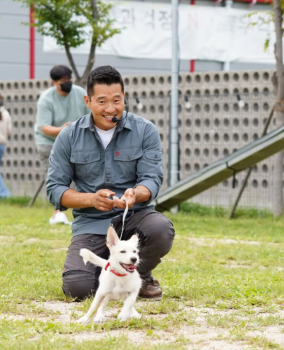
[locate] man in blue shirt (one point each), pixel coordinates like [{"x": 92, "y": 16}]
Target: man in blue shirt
[{"x": 110, "y": 154}]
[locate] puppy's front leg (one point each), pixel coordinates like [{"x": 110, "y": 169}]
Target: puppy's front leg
[
  {"x": 134, "y": 313},
  {"x": 127, "y": 311},
  {"x": 93, "y": 308},
  {"x": 100, "y": 315}
]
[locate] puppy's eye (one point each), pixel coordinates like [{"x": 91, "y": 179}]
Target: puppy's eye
[
  {"x": 134, "y": 251},
  {"x": 122, "y": 251}
]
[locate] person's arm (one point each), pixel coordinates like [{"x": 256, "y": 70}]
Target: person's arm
[
  {"x": 61, "y": 170},
  {"x": 150, "y": 166},
  {"x": 149, "y": 172},
  {"x": 44, "y": 120},
  {"x": 99, "y": 200},
  {"x": 50, "y": 130}
]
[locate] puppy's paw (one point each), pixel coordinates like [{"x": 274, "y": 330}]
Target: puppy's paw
[
  {"x": 85, "y": 255},
  {"x": 99, "y": 319},
  {"x": 135, "y": 314},
  {"x": 122, "y": 317},
  {"x": 83, "y": 320}
]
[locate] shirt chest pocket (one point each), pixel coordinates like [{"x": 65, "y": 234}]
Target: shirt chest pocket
[
  {"x": 125, "y": 162},
  {"x": 87, "y": 164}
]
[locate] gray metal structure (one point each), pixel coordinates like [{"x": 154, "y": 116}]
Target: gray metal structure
[
  {"x": 174, "y": 96},
  {"x": 221, "y": 170}
]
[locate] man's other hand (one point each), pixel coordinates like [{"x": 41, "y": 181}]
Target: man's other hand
[{"x": 129, "y": 195}]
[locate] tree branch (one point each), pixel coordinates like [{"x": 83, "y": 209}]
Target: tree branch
[
  {"x": 71, "y": 61},
  {"x": 90, "y": 62},
  {"x": 95, "y": 9},
  {"x": 278, "y": 49},
  {"x": 91, "y": 58}
]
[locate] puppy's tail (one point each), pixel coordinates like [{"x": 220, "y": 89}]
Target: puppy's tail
[{"x": 87, "y": 255}]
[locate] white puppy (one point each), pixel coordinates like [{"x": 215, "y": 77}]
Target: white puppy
[{"x": 119, "y": 278}]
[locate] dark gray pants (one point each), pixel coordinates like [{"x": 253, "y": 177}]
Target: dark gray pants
[{"x": 156, "y": 235}]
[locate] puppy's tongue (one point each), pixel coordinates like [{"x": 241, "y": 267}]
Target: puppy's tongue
[
  {"x": 132, "y": 267},
  {"x": 129, "y": 267}
]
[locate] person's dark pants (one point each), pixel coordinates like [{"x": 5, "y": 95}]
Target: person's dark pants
[{"x": 156, "y": 235}]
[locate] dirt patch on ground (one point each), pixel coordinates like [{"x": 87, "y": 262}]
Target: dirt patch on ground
[
  {"x": 6, "y": 239},
  {"x": 272, "y": 333},
  {"x": 200, "y": 334}
]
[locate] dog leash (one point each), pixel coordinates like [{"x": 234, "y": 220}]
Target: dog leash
[{"x": 124, "y": 216}]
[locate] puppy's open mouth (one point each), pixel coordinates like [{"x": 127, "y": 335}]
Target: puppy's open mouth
[{"x": 129, "y": 267}]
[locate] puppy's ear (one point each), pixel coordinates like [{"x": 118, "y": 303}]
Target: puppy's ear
[
  {"x": 112, "y": 238},
  {"x": 135, "y": 239}
]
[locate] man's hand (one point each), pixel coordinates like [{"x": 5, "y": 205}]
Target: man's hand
[
  {"x": 101, "y": 201},
  {"x": 129, "y": 194}
]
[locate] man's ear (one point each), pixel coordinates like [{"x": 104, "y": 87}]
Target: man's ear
[
  {"x": 112, "y": 238},
  {"x": 87, "y": 101}
]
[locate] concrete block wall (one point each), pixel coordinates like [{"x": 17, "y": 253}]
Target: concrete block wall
[{"x": 212, "y": 128}]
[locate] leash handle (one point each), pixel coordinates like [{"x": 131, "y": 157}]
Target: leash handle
[{"x": 124, "y": 216}]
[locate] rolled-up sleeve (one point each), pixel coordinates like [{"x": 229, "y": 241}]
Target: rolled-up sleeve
[
  {"x": 61, "y": 170},
  {"x": 44, "y": 115},
  {"x": 150, "y": 165}
]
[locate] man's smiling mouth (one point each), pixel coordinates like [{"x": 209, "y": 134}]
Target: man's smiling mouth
[{"x": 109, "y": 117}]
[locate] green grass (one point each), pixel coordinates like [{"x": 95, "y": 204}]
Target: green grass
[{"x": 234, "y": 267}]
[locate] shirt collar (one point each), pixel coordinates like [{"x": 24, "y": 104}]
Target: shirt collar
[{"x": 88, "y": 122}]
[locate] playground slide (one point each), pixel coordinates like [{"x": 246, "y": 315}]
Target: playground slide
[{"x": 221, "y": 170}]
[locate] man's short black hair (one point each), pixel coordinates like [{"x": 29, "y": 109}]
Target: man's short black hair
[
  {"x": 103, "y": 75},
  {"x": 58, "y": 72}
]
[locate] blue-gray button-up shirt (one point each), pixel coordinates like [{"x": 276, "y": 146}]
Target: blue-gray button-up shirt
[{"x": 133, "y": 157}]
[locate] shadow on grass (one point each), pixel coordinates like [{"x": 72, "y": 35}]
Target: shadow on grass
[
  {"x": 201, "y": 210},
  {"x": 22, "y": 201}
]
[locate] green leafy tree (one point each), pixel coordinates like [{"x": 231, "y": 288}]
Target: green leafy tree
[{"x": 71, "y": 23}]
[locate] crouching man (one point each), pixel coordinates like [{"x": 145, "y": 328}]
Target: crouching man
[{"x": 110, "y": 154}]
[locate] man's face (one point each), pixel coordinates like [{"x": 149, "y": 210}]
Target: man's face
[
  {"x": 107, "y": 102},
  {"x": 57, "y": 84}
]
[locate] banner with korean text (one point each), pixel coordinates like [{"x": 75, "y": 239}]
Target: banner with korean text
[{"x": 205, "y": 33}]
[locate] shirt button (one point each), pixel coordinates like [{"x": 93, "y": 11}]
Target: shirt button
[
  {"x": 108, "y": 179},
  {"x": 128, "y": 158}
]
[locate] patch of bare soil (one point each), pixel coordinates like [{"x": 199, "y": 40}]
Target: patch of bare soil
[
  {"x": 200, "y": 335},
  {"x": 6, "y": 239},
  {"x": 273, "y": 333}
]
